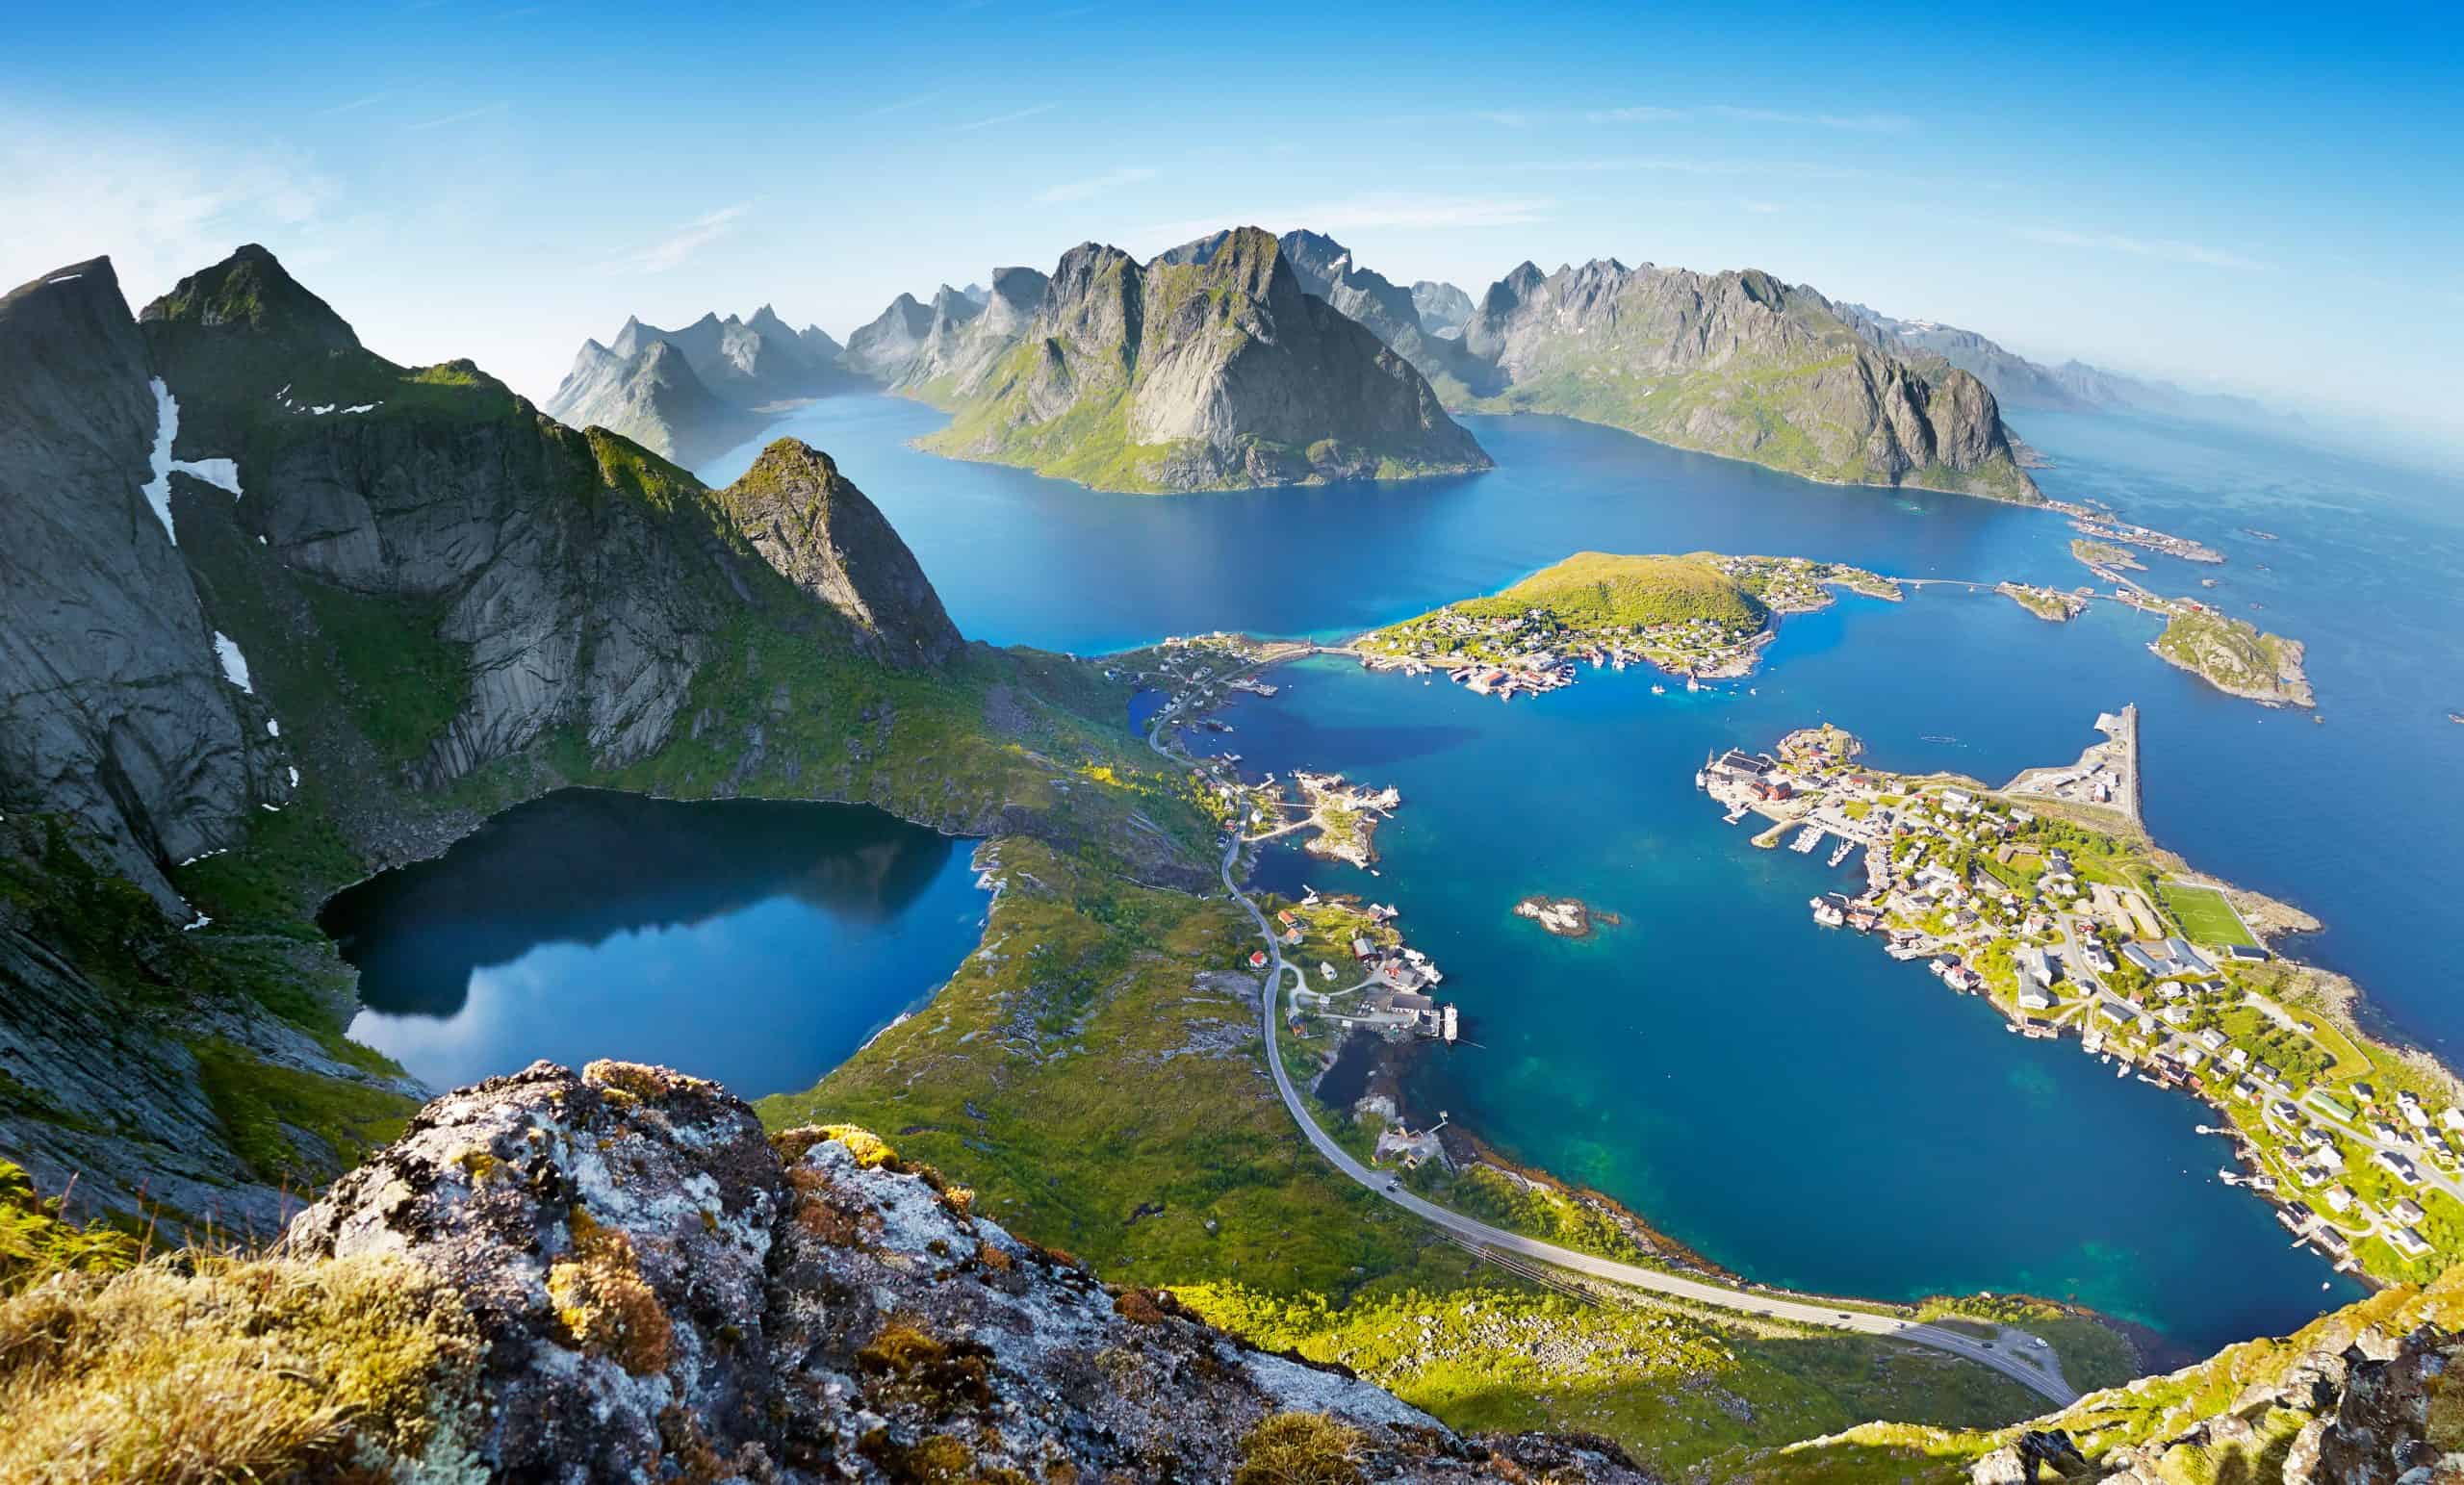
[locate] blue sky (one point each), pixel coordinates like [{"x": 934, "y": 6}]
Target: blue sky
[{"x": 2269, "y": 199}]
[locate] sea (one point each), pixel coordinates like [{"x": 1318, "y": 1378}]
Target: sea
[{"x": 1783, "y": 1098}]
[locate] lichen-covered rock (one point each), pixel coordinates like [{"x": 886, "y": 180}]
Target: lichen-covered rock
[{"x": 668, "y": 1293}]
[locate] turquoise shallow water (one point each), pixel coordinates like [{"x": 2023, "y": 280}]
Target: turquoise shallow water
[
  {"x": 1788, "y": 1100},
  {"x": 1785, "y": 1099}
]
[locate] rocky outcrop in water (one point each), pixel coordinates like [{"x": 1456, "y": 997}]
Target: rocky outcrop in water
[
  {"x": 662, "y": 1286},
  {"x": 1202, "y": 371}
]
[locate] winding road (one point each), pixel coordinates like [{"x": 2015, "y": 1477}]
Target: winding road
[{"x": 2039, "y": 1369}]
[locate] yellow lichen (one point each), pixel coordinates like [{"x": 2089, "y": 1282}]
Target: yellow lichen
[{"x": 602, "y": 1302}]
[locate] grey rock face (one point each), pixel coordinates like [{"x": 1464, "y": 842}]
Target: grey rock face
[
  {"x": 649, "y": 1268},
  {"x": 1443, "y": 307},
  {"x": 820, "y": 532},
  {"x": 114, "y": 708},
  {"x": 883, "y": 348},
  {"x": 704, "y": 391},
  {"x": 652, "y": 398},
  {"x": 1737, "y": 363},
  {"x": 1211, "y": 367}
]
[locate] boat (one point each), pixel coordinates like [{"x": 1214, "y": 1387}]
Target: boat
[
  {"x": 1845, "y": 846},
  {"x": 2122, "y": 1071},
  {"x": 1660, "y": 690},
  {"x": 1827, "y": 913},
  {"x": 1734, "y": 815},
  {"x": 1806, "y": 840},
  {"x": 1692, "y": 684},
  {"x": 1449, "y": 1025}
]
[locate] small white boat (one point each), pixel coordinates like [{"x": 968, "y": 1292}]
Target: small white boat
[{"x": 1658, "y": 690}]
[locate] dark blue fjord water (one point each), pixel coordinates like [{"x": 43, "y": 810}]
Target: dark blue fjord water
[
  {"x": 755, "y": 942},
  {"x": 1786, "y": 1100}
]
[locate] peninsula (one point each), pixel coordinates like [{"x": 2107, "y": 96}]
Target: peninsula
[{"x": 2046, "y": 899}]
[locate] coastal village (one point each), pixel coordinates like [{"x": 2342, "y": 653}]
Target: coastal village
[
  {"x": 1532, "y": 637},
  {"x": 2043, "y": 899}
]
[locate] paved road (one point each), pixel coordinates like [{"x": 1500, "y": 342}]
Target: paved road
[{"x": 2045, "y": 1379}]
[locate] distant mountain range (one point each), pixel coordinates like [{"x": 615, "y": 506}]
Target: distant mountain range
[
  {"x": 692, "y": 393},
  {"x": 1222, "y": 364},
  {"x": 2074, "y": 386}
]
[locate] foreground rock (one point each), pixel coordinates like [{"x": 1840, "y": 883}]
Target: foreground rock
[{"x": 664, "y": 1289}]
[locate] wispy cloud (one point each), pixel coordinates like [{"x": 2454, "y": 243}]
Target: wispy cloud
[
  {"x": 161, "y": 206},
  {"x": 2169, "y": 249},
  {"x": 1854, "y": 123},
  {"x": 680, "y": 246},
  {"x": 1653, "y": 114},
  {"x": 483, "y": 111},
  {"x": 1005, "y": 118},
  {"x": 366, "y": 100},
  {"x": 1096, "y": 185},
  {"x": 1504, "y": 118}
]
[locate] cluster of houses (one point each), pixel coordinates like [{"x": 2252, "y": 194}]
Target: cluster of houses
[
  {"x": 2097, "y": 958},
  {"x": 1500, "y": 654}
]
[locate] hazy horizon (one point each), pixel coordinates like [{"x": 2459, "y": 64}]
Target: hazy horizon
[{"x": 503, "y": 184}]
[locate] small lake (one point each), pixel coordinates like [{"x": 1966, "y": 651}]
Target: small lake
[{"x": 756, "y": 942}]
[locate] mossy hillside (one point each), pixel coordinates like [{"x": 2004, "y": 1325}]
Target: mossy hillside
[
  {"x": 2147, "y": 1410},
  {"x": 36, "y": 1243},
  {"x": 1596, "y": 589},
  {"x": 267, "y": 1109},
  {"x": 2232, "y": 653}
]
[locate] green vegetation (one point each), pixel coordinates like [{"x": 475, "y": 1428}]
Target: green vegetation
[
  {"x": 1592, "y": 589},
  {"x": 258, "y": 1102},
  {"x": 1300, "y": 1449},
  {"x": 2234, "y": 1382},
  {"x": 2204, "y": 914},
  {"x": 2097, "y": 553},
  {"x": 2233, "y": 654},
  {"x": 2092, "y": 1353},
  {"x": 199, "y": 1367},
  {"x": 36, "y": 1243}
]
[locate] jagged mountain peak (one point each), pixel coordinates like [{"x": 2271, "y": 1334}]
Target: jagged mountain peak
[
  {"x": 828, "y": 538},
  {"x": 251, "y": 293}
]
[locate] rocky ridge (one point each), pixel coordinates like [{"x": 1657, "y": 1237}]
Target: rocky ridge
[
  {"x": 660, "y": 1286},
  {"x": 691, "y": 393},
  {"x": 1194, "y": 372}
]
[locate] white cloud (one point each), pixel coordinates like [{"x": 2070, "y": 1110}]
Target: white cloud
[
  {"x": 1005, "y": 118},
  {"x": 901, "y": 105},
  {"x": 1094, "y": 185},
  {"x": 2169, "y": 249},
  {"x": 483, "y": 111},
  {"x": 1506, "y": 119},
  {"x": 1638, "y": 115},
  {"x": 161, "y": 206},
  {"x": 1855, "y": 123},
  {"x": 678, "y": 247}
]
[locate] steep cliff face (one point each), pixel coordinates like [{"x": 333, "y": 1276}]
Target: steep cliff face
[
  {"x": 1199, "y": 372},
  {"x": 659, "y": 1282},
  {"x": 967, "y": 334},
  {"x": 818, "y": 530},
  {"x": 1444, "y": 309},
  {"x": 1738, "y": 364},
  {"x": 2015, "y": 380},
  {"x": 115, "y": 709}
]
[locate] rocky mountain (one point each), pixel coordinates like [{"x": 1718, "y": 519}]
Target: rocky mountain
[
  {"x": 1736, "y": 364},
  {"x": 1444, "y": 309},
  {"x": 653, "y": 1280},
  {"x": 280, "y": 612},
  {"x": 819, "y": 532},
  {"x": 2073, "y": 385},
  {"x": 692, "y": 393},
  {"x": 882, "y": 349},
  {"x": 1202, "y": 369}
]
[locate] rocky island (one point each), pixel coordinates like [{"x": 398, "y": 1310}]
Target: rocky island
[
  {"x": 2233, "y": 654},
  {"x": 1564, "y": 917},
  {"x": 2051, "y": 605}
]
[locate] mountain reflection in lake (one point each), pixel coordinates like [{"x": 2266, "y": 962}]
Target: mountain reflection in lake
[{"x": 756, "y": 942}]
